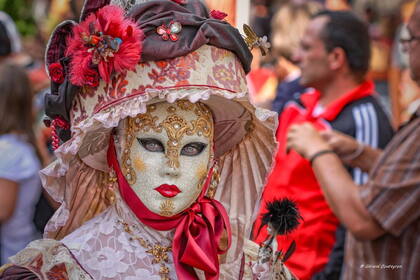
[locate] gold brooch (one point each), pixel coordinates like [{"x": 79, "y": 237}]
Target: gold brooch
[
  {"x": 159, "y": 252},
  {"x": 252, "y": 40}
]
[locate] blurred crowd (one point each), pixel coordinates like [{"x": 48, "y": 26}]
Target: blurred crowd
[
  {"x": 338, "y": 75},
  {"x": 284, "y": 22}
]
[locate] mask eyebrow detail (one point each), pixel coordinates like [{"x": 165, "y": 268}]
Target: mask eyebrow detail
[
  {"x": 175, "y": 126},
  {"x": 152, "y": 145},
  {"x": 193, "y": 149}
]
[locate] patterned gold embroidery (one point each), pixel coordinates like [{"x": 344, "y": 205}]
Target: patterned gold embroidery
[
  {"x": 164, "y": 270},
  {"x": 127, "y": 170},
  {"x": 215, "y": 179},
  {"x": 175, "y": 126},
  {"x": 159, "y": 252},
  {"x": 143, "y": 122},
  {"x": 166, "y": 208},
  {"x": 110, "y": 193},
  {"x": 151, "y": 108},
  {"x": 185, "y": 105},
  {"x": 171, "y": 109}
]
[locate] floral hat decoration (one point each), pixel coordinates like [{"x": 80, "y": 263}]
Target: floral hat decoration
[{"x": 126, "y": 55}]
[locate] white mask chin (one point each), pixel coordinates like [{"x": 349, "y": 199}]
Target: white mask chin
[{"x": 165, "y": 154}]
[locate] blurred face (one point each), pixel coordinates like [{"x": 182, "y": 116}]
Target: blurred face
[
  {"x": 312, "y": 56},
  {"x": 412, "y": 46},
  {"x": 168, "y": 150}
]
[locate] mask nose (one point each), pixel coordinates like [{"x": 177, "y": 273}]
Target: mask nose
[{"x": 169, "y": 171}]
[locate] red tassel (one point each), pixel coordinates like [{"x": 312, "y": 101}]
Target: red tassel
[{"x": 61, "y": 123}]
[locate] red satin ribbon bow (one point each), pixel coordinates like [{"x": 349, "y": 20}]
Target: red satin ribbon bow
[{"x": 198, "y": 229}]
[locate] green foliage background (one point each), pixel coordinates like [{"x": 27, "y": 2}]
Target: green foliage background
[{"x": 21, "y": 12}]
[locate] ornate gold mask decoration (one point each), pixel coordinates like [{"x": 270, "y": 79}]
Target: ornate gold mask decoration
[{"x": 175, "y": 127}]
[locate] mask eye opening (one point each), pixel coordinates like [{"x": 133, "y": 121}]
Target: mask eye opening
[
  {"x": 151, "y": 145},
  {"x": 193, "y": 149}
]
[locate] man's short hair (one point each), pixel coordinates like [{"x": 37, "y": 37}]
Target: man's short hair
[{"x": 347, "y": 31}]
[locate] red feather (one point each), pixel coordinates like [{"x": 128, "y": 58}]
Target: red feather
[{"x": 110, "y": 21}]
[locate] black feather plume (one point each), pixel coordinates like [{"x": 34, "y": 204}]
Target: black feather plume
[{"x": 282, "y": 215}]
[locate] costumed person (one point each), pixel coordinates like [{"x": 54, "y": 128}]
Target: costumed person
[{"x": 162, "y": 157}]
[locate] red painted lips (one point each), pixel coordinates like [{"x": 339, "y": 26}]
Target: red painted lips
[{"x": 168, "y": 190}]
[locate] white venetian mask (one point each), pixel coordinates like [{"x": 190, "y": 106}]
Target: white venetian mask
[{"x": 165, "y": 154}]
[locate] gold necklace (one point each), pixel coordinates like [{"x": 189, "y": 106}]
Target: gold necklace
[{"x": 159, "y": 252}]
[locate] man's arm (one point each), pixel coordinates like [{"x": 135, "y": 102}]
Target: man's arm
[
  {"x": 350, "y": 151},
  {"x": 342, "y": 195},
  {"x": 340, "y": 192}
]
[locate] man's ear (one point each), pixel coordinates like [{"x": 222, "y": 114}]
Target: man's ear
[{"x": 337, "y": 58}]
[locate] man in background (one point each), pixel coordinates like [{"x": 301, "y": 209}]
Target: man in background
[
  {"x": 382, "y": 216},
  {"x": 334, "y": 58}
]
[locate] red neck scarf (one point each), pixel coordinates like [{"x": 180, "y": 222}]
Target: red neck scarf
[{"x": 198, "y": 229}]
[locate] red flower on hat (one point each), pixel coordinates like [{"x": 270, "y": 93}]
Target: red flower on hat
[
  {"x": 218, "y": 14},
  {"x": 181, "y": 2},
  {"x": 106, "y": 41},
  {"x": 91, "y": 78},
  {"x": 56, "y": 72}
]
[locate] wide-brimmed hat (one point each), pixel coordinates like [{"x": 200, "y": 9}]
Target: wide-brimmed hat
[{"x": 182, "y": 53}]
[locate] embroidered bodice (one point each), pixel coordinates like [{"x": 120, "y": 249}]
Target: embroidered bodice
[{"x": 115, "y": 245}]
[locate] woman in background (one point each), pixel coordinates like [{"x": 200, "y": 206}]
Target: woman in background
[{"x": 20, "y": 186}]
